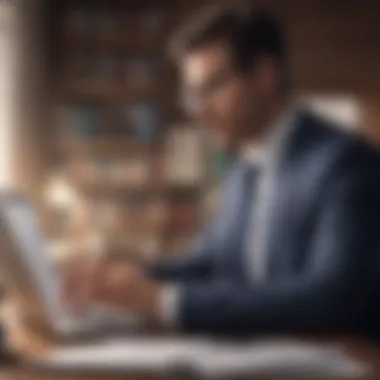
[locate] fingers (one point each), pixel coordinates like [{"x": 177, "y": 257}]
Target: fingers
[
  {"x": 101, "y": 281},
  {"x": 70, "y": 283},
  {"x": 79, "y": 286}
]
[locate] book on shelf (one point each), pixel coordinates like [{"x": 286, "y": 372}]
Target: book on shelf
[
  {"x": 136, "y": 120},
  {"x": 83, "y": 121},
  {"x": 103, "y": 67},
  {"x": 152, "y": 21},
  {"x": 140, "y": 70},
  {"x": 89, "y": 21},
  {"x": 143, "y": 120},
  {"x": 184, "y": 155},
  {"x": 104, "y": 171}
]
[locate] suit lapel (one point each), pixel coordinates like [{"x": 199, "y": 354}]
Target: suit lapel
[
  {"x": 238, "y": 205},
  {"x": 297, "y": 188}
]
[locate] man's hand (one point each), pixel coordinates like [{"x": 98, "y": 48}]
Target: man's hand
[{"x": 117, "y": 284}]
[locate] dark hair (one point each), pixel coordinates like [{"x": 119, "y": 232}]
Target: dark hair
[{"x": 247, "y": 31}]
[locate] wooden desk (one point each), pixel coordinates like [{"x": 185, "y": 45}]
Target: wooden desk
[{"x": 357, "y": 348}]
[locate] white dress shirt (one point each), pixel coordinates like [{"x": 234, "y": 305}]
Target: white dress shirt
[{"x": 266, "y": 155}]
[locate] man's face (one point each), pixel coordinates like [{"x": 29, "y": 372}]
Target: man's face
[{"x": 227, "y": 101}]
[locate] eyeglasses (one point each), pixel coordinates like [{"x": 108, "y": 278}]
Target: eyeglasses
[{"x": 192, "y": 99}]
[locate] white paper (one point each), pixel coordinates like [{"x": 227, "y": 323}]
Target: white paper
[
  {"x": 128, "y": 354},
  {"x": 210, "y": 359},
  {"x": 278, "y": 357}
]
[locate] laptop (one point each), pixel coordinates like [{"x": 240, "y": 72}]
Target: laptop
[
  {"x": 29, "y": 271},
  {"x": 27, "y": 264},
  {"x": 103, "y": 338}
]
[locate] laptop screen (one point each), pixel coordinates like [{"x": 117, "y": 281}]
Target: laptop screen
[{"x": 22, "y": 226}]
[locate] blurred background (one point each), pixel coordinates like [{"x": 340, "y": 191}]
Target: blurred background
[{"x": 91, "y": 120}]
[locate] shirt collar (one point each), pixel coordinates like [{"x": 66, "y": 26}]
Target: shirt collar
[{"x": 259, "y": 153}]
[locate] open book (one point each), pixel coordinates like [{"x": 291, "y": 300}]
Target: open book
[{"x": 203, "y": 358}]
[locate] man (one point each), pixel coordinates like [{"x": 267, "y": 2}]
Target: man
[{"x": 293, "y": 246}]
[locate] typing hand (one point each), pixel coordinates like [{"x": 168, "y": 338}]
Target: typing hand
[
  {"x": 113, "y": 283},
  {"x": 79, "y": 284}
]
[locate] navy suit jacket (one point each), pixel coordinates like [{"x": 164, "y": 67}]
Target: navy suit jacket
[{"x": 323, "y": 245}]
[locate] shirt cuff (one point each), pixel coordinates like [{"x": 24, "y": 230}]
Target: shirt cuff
[{"x": 169, "y": 306}]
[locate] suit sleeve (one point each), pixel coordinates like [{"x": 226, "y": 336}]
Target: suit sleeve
[
  {"x": 329, "y": 295},
  {"x": 196, "y": 264}
]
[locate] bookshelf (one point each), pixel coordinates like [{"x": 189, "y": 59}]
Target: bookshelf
[
  {"x": 109, "y": 91},
  {"x": 129, "y": 171}
]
